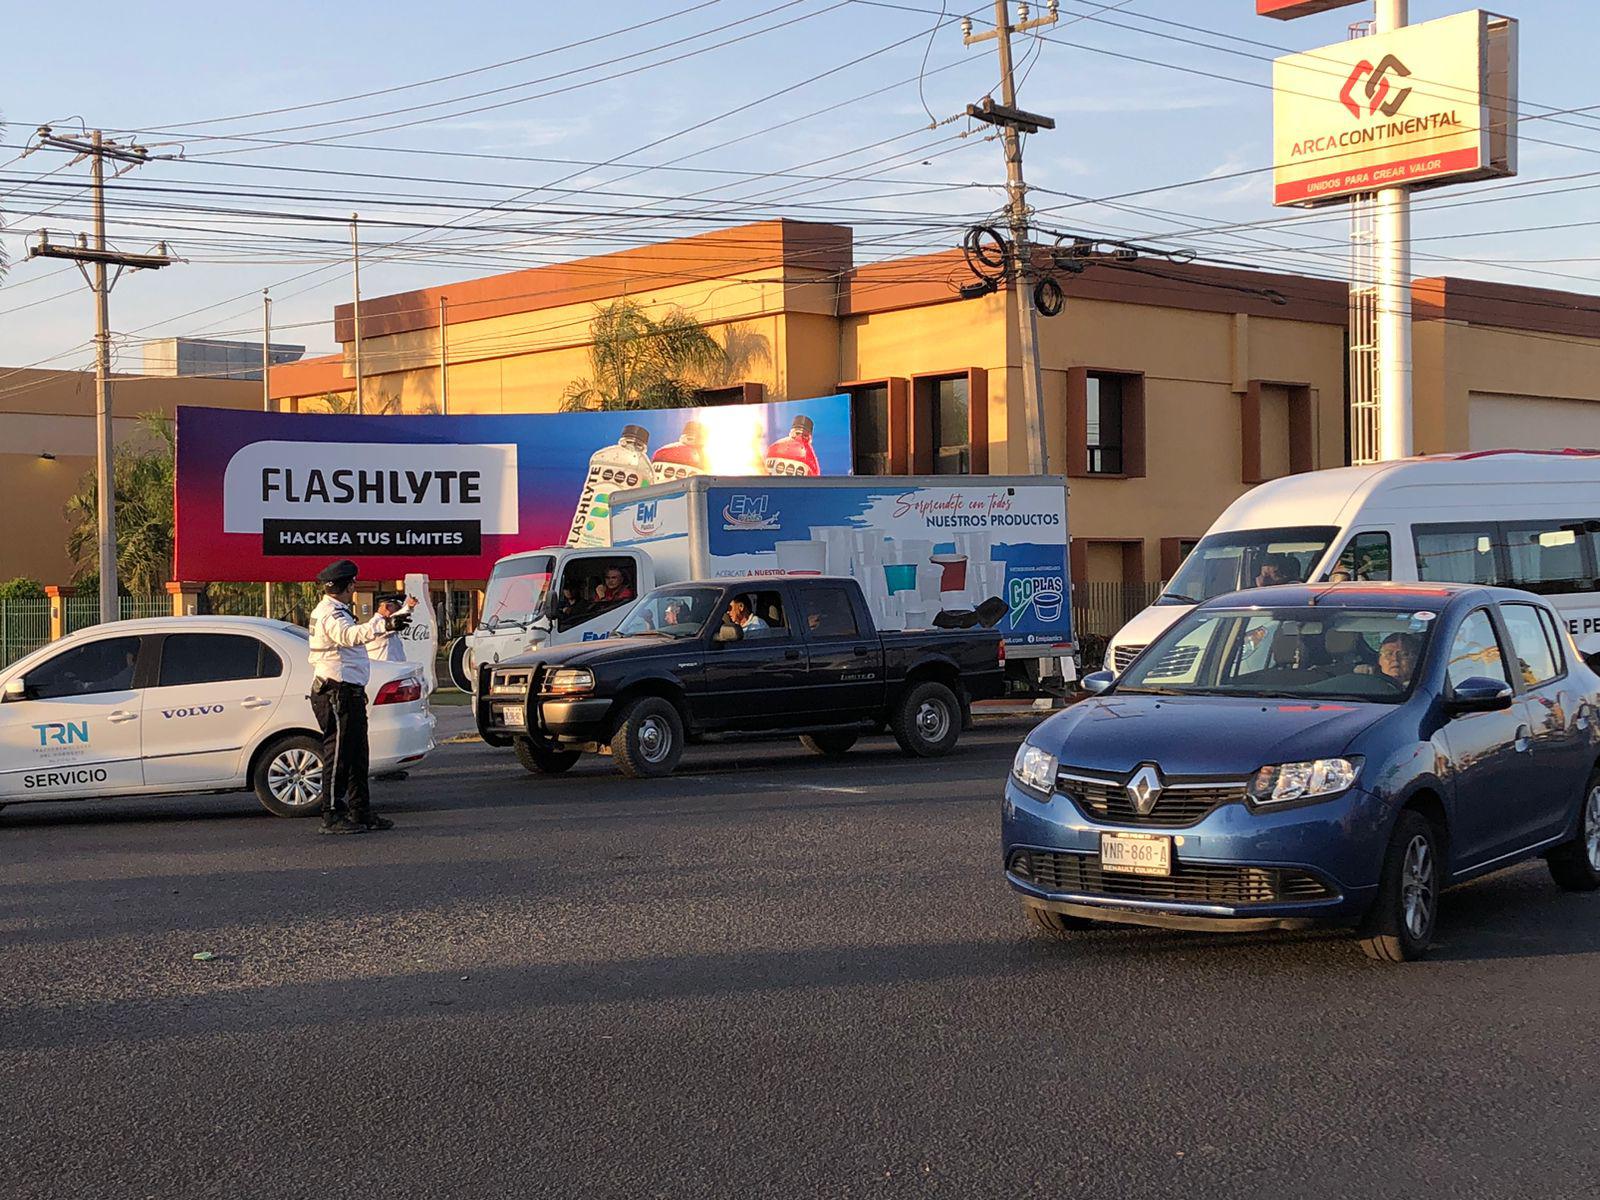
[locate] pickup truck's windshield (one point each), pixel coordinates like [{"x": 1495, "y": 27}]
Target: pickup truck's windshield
[
  {"x": 516, "y": 592},
  {"x": 1311, "y": 653},
  {"x": 677, "y": 612},
  {"x": 1247, "y": 558}
]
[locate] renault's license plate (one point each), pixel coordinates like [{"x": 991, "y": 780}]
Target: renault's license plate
[
  {"x": 1136, "y": 853},
  {"x": 513, "y": 714}
]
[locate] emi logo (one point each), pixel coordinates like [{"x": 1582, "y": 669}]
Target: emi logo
[{"x": 645, "y": 517}]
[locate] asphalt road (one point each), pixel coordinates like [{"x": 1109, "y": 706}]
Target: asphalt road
[{"x": 767, "y": 976}]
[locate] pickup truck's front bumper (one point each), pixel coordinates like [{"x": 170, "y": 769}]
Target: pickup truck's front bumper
[{"x": 580, "y": 719}]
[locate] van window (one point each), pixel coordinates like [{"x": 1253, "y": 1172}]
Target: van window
[
  {"x": 1548, "y": 557},
  {"x": 1365, "y": 557},
  {"x": 1247, "y": 558},
  {"x": 1458, "y": 553}
]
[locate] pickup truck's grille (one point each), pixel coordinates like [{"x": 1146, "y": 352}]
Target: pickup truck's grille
[
  {"x": 1190, "y": 883},
  {"x": 1179, "y": 804},
  {"x": 1122, "y": 656},
  {"x": 510, "y": 682}
]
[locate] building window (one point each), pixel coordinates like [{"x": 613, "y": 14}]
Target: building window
[
  {"x": 952, "y": 427},
  {"x": 1103, "y": 418},
  {"x": 869, "y": 421},
  {"x": 738, "y": 393}
]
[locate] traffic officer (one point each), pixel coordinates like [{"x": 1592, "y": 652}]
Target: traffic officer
[
  {"x": 339, "y": 698},
  {"x": 388, "y": 647}
]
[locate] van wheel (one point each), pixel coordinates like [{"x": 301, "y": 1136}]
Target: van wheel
[
  {"x": 1060, "y": 926},
  {"x": 1575, "y": 864},
  {"x": 1400, "y": 925},
  {"x": 542, "y": 759},
  {"x": 927, "y": 721},
  {"x": 456, "y": 657},
  {"x": 649, "y": 739},
  {"x": 288, "y": 777},
  {"x": 829, "y": 745}
]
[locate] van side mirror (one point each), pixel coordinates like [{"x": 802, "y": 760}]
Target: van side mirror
[
  {"x": 1097, "y": 681},
  {"x": 16, "y": 690},
  {"x": 1479, "y": 694}
]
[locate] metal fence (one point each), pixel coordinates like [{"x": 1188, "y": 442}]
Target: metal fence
[
  {"x": 24, "y": 627},
  {"x": 1100, "y": 609}
]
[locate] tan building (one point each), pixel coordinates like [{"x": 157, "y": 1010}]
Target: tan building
[
  {"x": 47, "y": 445},
  {"x": 1170, "y": 389}
]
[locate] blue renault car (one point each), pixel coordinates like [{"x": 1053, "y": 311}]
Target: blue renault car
[{"x": 1317, "y": 753}]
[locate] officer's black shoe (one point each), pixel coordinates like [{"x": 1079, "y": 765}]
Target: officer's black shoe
[
  {"x": 343, "y": 825},
  {"x": 373, "y": 822}
]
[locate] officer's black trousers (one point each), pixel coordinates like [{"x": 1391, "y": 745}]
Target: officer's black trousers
[{"x": 341, "y": 711}]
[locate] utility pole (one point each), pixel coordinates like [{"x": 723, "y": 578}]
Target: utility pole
[
  {"x": 96, "y": 148},
  {"x": 355, "y": 248},
  {"x": 444, "y": 365},
  {"x": 1393, "y": 245},
  {"x": 1013, "y": 122},
  {"x": 266, "y": 404}
]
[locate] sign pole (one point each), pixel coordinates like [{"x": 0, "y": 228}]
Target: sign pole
[{"x": 1392, "y": 258}]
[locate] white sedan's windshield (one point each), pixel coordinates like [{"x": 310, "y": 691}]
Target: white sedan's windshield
[
  {"x": 1239, "y": 559},
  {"x": 1324, "y": 654},
  {"x": 517, "y": 591}
]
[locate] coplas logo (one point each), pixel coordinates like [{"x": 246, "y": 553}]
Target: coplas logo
[{"x": 1375, "y": 85}]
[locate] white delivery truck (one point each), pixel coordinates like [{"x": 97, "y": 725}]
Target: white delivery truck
[
  {"x": 929, "y": 551},
  {"x": 1519, "y": 518}
]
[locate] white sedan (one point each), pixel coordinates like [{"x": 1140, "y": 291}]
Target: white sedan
[{"x": 187, "y": 704}]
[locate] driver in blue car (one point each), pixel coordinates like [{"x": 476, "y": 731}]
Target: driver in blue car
[{"x": 1397, "y": 659}]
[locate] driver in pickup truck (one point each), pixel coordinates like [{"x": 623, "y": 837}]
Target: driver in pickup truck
[{"x": 743, "y": 614}]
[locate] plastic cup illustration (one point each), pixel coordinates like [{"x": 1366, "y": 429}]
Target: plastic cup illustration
[
  {"x": 914, "y": 550},
  {"x": 929, "y": 576},
  {"x": 900, "y": 577},
  {"x": 954, "y": 567},
  {"x": 802, "y": 558},
  {"x": 1047, "y": 605}
]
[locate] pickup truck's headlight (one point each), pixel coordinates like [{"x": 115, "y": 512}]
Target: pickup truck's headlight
[
  {"x": 1303, "y": 780},
  {"x": 569, "y": 679},
  {"x": 1034, "y": 769}
]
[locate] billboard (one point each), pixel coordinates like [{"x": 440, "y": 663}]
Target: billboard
[
  {"x": 1419, "y": 106},
  {"x": 1284, "y": 10},
  {"x": 276, "y": 496}
]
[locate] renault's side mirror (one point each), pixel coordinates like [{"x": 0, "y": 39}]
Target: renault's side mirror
[
  {"x": 1098, "y": 681},
  {"x": 1479, "y": 694},
  {"x": 15, "y": 690}
]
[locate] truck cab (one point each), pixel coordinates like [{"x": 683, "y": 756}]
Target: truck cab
[{"x": 551, "y": 597}]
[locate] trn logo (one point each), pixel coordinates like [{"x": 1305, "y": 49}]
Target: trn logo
[
  {"x": 62, "y": 733},
  {"x": 1376, "y": 87}
]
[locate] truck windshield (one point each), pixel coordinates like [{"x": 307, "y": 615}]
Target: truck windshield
[
  {"x": 1247, "y": 558},
  {"x": 1309, "y": 653},
  {"x": 678, "y": 612},
  {"x": 517, "y": 591}
]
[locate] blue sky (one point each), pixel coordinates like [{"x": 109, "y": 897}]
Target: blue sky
[{"x": 1190, "y": 112}]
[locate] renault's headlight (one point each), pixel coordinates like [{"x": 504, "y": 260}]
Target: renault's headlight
[
  {"x": 1303, "y": 780},
  {"x": 569, "y": 679},
  {"x": 1034, "y": 769}
]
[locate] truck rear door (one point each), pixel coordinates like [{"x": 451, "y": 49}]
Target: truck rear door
[{"x": 845, "y": 679}]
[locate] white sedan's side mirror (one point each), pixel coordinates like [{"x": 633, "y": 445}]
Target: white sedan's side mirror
[{"x": 16, "y": 690}]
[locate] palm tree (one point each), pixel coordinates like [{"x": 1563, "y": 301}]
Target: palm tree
[
  {"x": 143, "y": 471},
  {"x": 636, "y": 361},
  {"x": 343, "y": 404}
]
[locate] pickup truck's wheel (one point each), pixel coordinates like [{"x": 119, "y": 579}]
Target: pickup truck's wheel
[
  {"x": 649, "y": 739},
  {"x": 829, "y": 745},
  {"x": 288, "y": 777},
  {"x": 542, "y": 759},
  {"x": 927, "y": 720},
  {"x": 1575, "y": 864}
]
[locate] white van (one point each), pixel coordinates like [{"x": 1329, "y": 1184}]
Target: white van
[{"x": 1521, "y": 518}]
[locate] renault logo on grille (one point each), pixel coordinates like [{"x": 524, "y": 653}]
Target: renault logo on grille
[{"x": 1144, "y": 789}]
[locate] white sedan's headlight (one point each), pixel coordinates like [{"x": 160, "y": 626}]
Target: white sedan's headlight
[
  {"x": 1303, "y": 780},
  {"x": 1034, "y": 768},
  {"x": 567, "y": 680}
]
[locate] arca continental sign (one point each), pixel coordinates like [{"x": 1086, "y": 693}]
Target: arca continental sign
[{"x": 1420, "y": 106}]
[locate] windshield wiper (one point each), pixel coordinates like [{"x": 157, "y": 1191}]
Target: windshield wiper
[
  {"x": 1178, "y": 596},
  {"x": 1152, "y": 691}
]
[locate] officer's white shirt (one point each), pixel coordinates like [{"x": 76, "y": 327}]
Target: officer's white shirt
[
  {"x": 388, "y": 647},
  {"x": 337, "y": 639}
]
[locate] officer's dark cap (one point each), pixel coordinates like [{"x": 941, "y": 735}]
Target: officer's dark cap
[
  {"x": 389, "y": 598},
  {"x": 338, "y": 573}
]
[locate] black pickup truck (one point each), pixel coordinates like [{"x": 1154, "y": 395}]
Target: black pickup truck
[{"x": 763, "y": 656}]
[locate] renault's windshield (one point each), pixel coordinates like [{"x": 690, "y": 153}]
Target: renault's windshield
[
  {"x": 677, "y": 612},
  {"x": 1239, "y": 559},
  {"x": 516, "y": 592},
  {"x": 1311, "y": 653}
]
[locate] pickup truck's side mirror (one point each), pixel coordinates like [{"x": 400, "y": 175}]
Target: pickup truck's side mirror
[
  {"x": 1096, "y": 682},
  {"x": 16, "y": 690},
  {"x": 1479, "y": 694}
]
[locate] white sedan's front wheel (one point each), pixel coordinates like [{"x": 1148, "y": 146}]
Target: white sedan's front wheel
[{"x": 288, "y": 777}]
